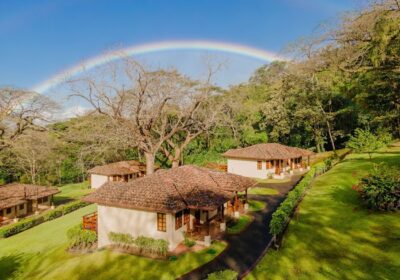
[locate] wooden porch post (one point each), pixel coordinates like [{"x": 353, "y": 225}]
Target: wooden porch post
[
  {"x": 208, "y": 224},
  {"x": 245, "y": 196},
  {"x": 236, "y": 201}
]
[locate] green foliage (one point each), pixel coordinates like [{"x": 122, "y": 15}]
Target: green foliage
[
  {"x": 49, "y": 215},
  {"x": 20, "y": 226},
  {"x": 236, "y": 226},
  {"x": 121, "y": 238},
  {"x": 187, "y": 241},
  {"x": 223, "y": 275},
  {"x": 144, "y": 244},
  {"x": 364, "y": 141},
  {"x": 72, "y": 206},
  {"x": 281, "y": 216},
  {"x": 255, "y": 205},
  {"x": 82, "y": 238},
  {"x": 380, "y": 190}
]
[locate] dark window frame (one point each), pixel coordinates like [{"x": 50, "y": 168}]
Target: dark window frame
[{"x": 178, "y": 220}]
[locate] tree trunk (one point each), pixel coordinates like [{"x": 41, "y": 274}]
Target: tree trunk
[
  {"x": 331, "y": 137},
  {"x": 149, "y": 162},
  {"x": 177, "y": 156}
]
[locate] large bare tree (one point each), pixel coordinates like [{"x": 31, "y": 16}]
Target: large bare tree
[
  {"x": 153, "y": 105},
  {"x": 22, "y": 110}
]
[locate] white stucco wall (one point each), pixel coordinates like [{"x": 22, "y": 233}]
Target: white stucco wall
[
  {"x": 96, "y": 181},
  {"x": 135, "y": 223},
  {"x": 248, "y": 168}
]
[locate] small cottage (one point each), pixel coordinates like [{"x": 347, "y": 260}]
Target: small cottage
[
  {"x": 167, "y": 204},
  {"x": 122, "y": 171},
  {"x": 270, "y": 160},
  {"x": 19, "y": 200}
]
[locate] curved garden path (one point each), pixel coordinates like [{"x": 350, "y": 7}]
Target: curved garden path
[{"x": 246, "y": 248}]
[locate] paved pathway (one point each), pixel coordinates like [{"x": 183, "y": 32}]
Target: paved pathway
[{"x": 244, "y": 249}]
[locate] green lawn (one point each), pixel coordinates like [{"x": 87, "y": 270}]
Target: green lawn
[
  {"x": 40, "y": 253},
  {"x": 237, "y": 226},
  {"x": 262, "y": 191},
  {"x": 334, "y": 237},
  {"x": 71, "y": 192},
  {"x": 256, "y": 205}
]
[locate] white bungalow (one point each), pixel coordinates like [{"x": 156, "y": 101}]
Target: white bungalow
[
  {"x": 122, "y": 171},
  {"x": 166, "y": 204},
  {"x": 267, "y": 160}
]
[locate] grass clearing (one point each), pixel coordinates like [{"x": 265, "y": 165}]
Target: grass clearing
[
  {"x": 40, "y": 253},
  {"x": 238, "y": 225},
  {"x": 71, "y": 192},
  {"x": 335, "y": 237},
  {"x": 262, "y": 191},
  {"x": 256, "y": 205}
]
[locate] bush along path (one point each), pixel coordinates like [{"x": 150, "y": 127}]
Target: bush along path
[{"x": 29, "y": 222}]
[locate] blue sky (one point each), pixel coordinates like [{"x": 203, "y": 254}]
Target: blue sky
[{"x": 40, "y": 38}]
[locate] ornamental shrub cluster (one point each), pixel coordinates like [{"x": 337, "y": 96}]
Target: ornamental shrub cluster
[
  {"x": 380, "y": 190},
  {"x": 144, "y": 244},
  {"x": 281, "y": 216},
  {"x": 30, "y": 222},
  {"x": 81, "y": 238}
]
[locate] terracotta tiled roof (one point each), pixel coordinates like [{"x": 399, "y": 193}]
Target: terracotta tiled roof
[
  {"x": 15, "y": 194},
  {"x": 172, "y": 190},
  {"x": 119, "y": 168},
  {"x": 267, "y": 151}
]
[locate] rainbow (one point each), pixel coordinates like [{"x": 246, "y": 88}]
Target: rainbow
[{"x": 88, "y": 64}]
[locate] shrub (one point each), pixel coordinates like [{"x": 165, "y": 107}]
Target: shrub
[
  {"x": 187, "y": 241},
  {"x": 20, "y": 226},
  {"x": 30, "y": 222},
  {"x": 144, "y": 244},
  {"x": 285, "y": 210},
  {"x": 223, "y": 275},
  {"x": 72, "y": 206},
  {"x": 151, "y": 245},
  {"x": 79, "y": 237},
  {"x": 380, "y": 190},
  {"x": 121, "y": 238}
]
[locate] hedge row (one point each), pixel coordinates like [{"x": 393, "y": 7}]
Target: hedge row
[
  {"x": 144, "y": 244},
  {"x": 282, "y": 215},
  {"x": 30, "y": 222}
]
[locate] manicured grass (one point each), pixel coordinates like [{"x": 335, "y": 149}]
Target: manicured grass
[
  {"x": 238, "y": 225},
  {"x": 72, "y": 192},
  {"x": 256, "y": 205},
  {"x": 40, "y": 253},
  {"x": 273, "y": 181},
  {"x": 262, "y": 191},
  {"x": 333, "y": 236}
]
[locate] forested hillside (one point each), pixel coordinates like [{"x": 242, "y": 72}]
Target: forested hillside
[{"x": 345, "y": 77}]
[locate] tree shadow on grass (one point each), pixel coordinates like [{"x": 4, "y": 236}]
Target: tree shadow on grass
[{"x": 9, "y": 266}]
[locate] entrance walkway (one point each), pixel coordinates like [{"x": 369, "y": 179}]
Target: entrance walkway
[{"x": 244, "y": 249}]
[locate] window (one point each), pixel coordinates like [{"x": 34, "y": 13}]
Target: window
[
  {"x": 269, "y": 165},
  {"x": 8, "y": 210},
  {"x": 161, "y": 222},
  {"x": 39, "y": 200},
  {"x": 21, "y": 206},
  {"x": 186, "y": 216},
  {"x": 259, "y": 164},
  {"x": 178, "y": 220},
  {"x": 45, "y": 199}
]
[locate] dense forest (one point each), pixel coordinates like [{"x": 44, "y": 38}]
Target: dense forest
[{"x": 345, "y": 77}]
